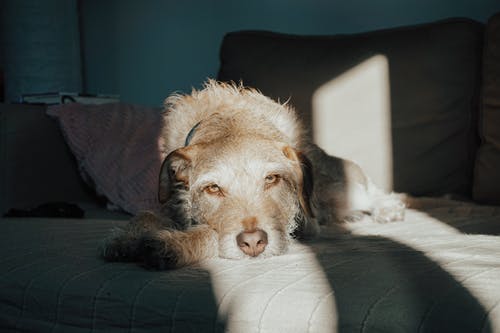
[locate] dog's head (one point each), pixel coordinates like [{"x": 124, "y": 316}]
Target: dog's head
[{"x": 251, "y": 190}]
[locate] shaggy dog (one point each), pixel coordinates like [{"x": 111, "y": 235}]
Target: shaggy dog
[{"x": 241, "y": 181}]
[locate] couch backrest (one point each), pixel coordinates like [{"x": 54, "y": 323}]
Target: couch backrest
[
  {"x": 486, "y": 187},
  {"x": 434, "y": 75}
]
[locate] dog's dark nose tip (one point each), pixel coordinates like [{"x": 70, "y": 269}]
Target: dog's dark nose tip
[{"x": 252, "y": 243}]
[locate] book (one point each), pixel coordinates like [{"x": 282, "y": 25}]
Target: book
[{"x": 65, "y": 97}]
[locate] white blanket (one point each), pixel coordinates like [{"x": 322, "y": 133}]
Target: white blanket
[{"x": 437, "y": 271}]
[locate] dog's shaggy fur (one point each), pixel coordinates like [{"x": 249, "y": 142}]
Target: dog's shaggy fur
[{"x": 240, "y": 181}]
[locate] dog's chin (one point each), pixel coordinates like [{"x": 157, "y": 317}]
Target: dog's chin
[{"x": 277, "y": 245}]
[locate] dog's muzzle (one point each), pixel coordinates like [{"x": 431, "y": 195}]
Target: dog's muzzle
[{"x": 252, "y": 243}]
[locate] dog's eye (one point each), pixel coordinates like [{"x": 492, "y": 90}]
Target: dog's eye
[
  {"x": 213, "y": 189},
  {"x": 271, "y": 180}
]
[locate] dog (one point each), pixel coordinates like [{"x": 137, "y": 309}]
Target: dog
[{"x": 240, "y": 181}]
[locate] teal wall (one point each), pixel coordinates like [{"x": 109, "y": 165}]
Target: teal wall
[
  {"x": 39, "y": 46},
  {"x": 144, "y": 50}
]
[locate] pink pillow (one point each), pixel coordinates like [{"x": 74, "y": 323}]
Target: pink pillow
[{"x": 117, "y": 146}]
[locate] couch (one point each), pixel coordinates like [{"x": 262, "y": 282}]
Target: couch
[{"x": 437, "y": 271}]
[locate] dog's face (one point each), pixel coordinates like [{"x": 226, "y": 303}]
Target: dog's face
[{"x": 250, "y": 190}]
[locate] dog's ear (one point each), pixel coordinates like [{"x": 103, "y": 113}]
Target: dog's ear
[
  {"x": 305, "y": 179},
  {"x": 174, "y": 172}
]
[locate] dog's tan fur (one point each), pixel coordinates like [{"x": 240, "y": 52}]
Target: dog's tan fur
[{"x": 246, "y": 170}]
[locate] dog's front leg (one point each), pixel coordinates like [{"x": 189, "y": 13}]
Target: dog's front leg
[
  {"x": 123, "y": 244},
  {"x": 152, "y": 240},
  {"x": 167, "y": 248}
]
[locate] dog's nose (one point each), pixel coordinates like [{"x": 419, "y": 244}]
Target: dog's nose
[{"x": 252, "y": 243}]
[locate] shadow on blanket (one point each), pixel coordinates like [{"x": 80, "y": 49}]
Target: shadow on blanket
[
  {"x": 52, "y": 281},
  {"x": 383, "y": 286},
  {"x": 463, "y": 217}
]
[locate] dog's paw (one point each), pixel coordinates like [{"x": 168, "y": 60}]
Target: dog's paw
[
  {"x": 157, "y": 254},
  {"x": 117, "y": 249},
  {"x": 389, "y": 210},
  {"x": 354, "y": 216}
]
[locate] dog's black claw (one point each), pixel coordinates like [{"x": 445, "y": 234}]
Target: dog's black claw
[
  {"x": 354, "y": 216},
  {"x": 156, "y": 255}
]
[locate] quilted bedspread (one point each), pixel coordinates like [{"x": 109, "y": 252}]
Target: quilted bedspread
[{"x": 438, "y": 271}]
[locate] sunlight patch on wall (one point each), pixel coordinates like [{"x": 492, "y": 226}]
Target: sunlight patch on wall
[{"x": 352, "y": 118}]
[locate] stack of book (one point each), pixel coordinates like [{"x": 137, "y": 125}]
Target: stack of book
[{"x": 64, "y": 97}]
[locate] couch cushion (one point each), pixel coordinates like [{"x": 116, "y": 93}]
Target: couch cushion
[
  {"x": 486, "y": 187},
  {"x": 433, "y": 72},
  {"x": 37, "y": 166}
]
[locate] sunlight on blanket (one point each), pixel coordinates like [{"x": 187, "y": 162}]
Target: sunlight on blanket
[
  {"x": 264, "y": 293},
  {"x": 351, "y": 118},
  {"x": 434, "y": 232}
]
